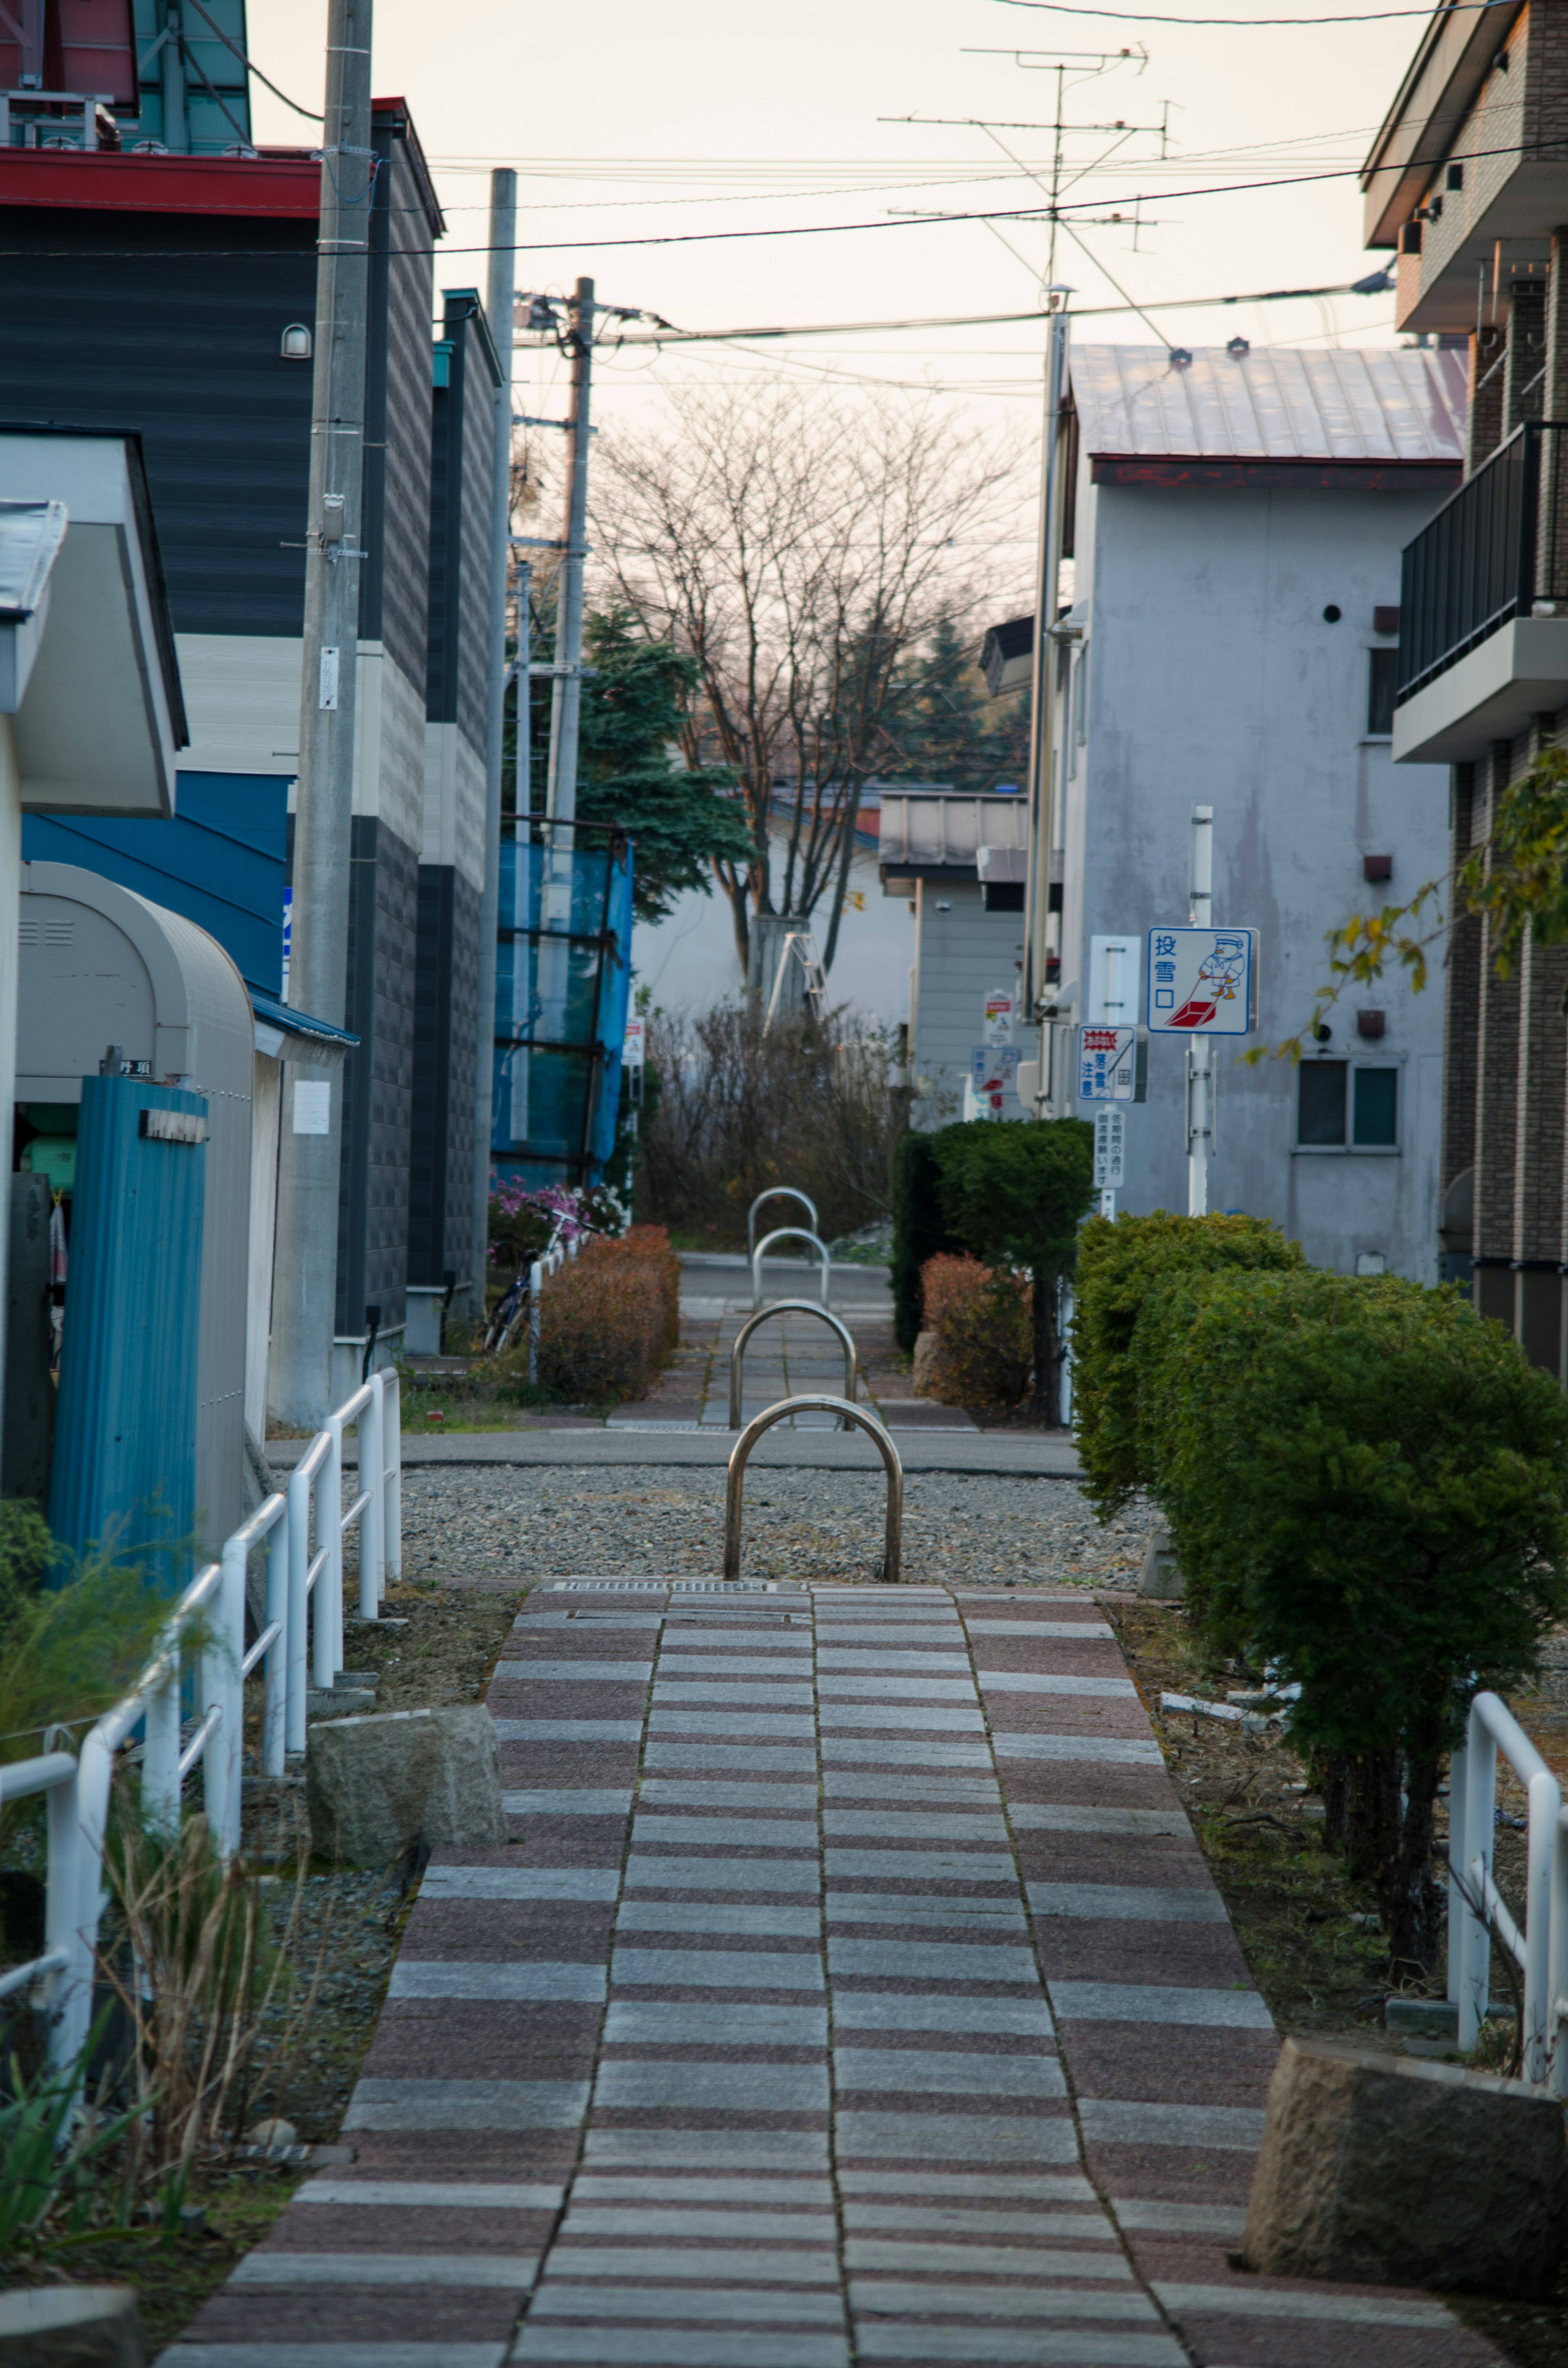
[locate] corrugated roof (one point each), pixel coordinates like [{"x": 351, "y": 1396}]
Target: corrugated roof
[{"x": 1274, "y": 404}]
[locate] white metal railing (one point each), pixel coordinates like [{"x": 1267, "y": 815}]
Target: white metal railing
[
  {"x": 1476, "y": 1911},
  {"x": 301, "y": 1640}
]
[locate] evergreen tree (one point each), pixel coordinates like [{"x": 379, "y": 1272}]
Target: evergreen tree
[
  {"x": 635, "y": 707},
  {"x": 941, "y": 724}
]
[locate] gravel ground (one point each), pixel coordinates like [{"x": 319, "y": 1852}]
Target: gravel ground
[{"x": 536, "y": 1523}]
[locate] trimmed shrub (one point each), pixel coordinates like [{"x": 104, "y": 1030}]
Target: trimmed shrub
[
  {"x": 919, "y": 1229},
  {"x": 609, "y": 1318},
  {"x": 1017, "y": 1189},
  {"x": 982, "y": 1318},
  {"x": 1117, "y": 1266},
  {"x": 1367, "y": 1486}
]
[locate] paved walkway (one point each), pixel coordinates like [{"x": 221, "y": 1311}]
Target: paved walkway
[{"x": 853, "y": 1990}]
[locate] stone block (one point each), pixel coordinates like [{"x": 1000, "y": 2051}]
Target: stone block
[
  {"x": 1161, "y": 1575},
  {"x": 927, "y": 1361},
  {"x": 1382, "y": 2170},
  {"x": 376, "y": 1787},
  {"x": 70, "y": 2327}
]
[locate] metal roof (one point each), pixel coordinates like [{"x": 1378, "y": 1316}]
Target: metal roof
[
  {"x": 1273, "y": 404},
  {"x": 925, "y": 828}
]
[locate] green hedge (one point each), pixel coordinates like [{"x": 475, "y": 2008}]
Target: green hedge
[
  {"x": 1367, "y": 1487},
  {"x": 919, "y": 1229},
  {"x": 1117, "y": 1266}
]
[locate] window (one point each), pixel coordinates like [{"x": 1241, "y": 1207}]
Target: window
[
  {"x": 1375, "y": 1106},
  {"x": 1383, "y": 670},
  {"x": 1007, "y": 896},
  {"x": 1320, "y": 1104},
  {"x": 1343, "y": 1107}
]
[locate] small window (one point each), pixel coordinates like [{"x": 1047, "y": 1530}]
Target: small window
[
  {"x": 1320, "y": 1106},
  {"x": 1382, "y": 671},
  {"x": 1376, "y": 1109},
  {"x": 1004, "y": 896},
  {"x": 1341, "y": 1106}
]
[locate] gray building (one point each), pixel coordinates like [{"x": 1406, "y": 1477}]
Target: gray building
[
  {"x": 960, "y": 862},
  {"x": 1237, "y": 521}
]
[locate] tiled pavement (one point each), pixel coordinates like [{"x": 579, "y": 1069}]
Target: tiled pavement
[{"x": 853, "y": 1989}]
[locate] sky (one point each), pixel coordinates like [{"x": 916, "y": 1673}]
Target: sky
[{"x": 627, "y": 122}]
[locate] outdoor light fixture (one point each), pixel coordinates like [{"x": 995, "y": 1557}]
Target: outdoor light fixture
[
  {"x": 297, "y": 345},
  {"x": 1237, "y": 348},
  {"x": 1180, "y": 358}
]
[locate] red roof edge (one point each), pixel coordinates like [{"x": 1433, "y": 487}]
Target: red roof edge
[{"x": 110, "y": 181}]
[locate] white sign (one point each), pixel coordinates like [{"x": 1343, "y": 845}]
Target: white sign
[
  {"x": 1109, "y": 1064},
  {"x": 1114, "y": 965},
  {"x": 998, "y": 1027},
  {"x": 329, "y": 681},
  {"x": 636, "y": 1043},
  {"x": 993, "y": 1075},
  {"x": 1110, "y": 1149},
  {"x": 312, "y": 1106},
  {"x": 1202, "y": 982}
]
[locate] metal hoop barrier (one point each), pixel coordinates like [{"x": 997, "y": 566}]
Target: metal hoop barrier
[
  {"x": 776, "y": 1193},
  {"x": 740, "y": 1455},
  {"x": 787, "y": 1234},
  {"x": 790, "y": 1308}
]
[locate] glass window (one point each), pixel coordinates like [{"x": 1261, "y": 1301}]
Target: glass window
[
  {"x": 1382, "y": 668},
  {"x": 1320, "y": 1104},
  {"x": 1375, "y": 1108}
]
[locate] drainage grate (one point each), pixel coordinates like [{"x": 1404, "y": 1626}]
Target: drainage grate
[{"x": 662, "y": 1586}]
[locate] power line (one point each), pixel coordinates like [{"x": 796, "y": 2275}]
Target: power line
[
  {"x": 311, "y": 114},
  {"x": 1142, "y": 15}
]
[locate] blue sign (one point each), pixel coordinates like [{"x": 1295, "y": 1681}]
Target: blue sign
[{"x": 1202, "y": 982}]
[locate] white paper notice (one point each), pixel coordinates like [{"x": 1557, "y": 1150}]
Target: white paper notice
[{"x": 312, "y": 1106}]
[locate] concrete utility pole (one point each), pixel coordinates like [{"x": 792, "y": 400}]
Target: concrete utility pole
[
  {"x": 1041, "y": 712},
  {"x": 1199, "y": 1051},
  {"x": 304, "y": 1284},
  {"x": 561, "y": 796},
  {"x": 498, "y": 303}
]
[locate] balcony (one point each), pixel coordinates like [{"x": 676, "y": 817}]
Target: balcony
[{"x": 1483, "y": 611}]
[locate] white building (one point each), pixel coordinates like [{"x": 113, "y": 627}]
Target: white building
[{"x": 1236, "y": 527}]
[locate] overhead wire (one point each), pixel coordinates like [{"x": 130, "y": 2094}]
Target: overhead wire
[{"x": 1371, "y": 17}]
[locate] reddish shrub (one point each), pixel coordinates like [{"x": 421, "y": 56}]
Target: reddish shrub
[
  {"x": 982, "y": 1318},
  {"x": 609, "y": 1318}
]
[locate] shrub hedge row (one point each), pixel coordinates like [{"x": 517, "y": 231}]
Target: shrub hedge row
[
  {"x": 609, "y": 1318},
  {"x": 1366, "y": 1489}
]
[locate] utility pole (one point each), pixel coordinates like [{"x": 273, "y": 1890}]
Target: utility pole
[
  {"x": 498, "y": 303},
  {"x": 560, "y": 797},
  {"x": 1042, "y": 711},
  {"x": 305, "y": 1289},
  {"x": 1199, "y": 1051}
]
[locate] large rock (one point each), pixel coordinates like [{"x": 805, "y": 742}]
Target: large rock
[
  {"x": 376, "y": 1787},
  {"x": 1380, "y": 2169},
  {"x": 70, "y": 2327},
  {"x": 927, "y": 1364}
]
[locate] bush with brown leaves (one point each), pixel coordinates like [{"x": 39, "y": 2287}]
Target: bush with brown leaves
[
  {"x": 983, "y": 1318},
  {"x": 609, "y": 1318}
]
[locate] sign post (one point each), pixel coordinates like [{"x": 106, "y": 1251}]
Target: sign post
[{"x": 1202, "y": 983}]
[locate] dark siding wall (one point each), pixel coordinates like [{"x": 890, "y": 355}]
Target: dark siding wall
[
  {"x": 372, "y": 1228},
  {"x": 462, "y": 450},
  {"x": 445, "y": 1023},
  {"x": 98, "y": 332},
  {"x": 394, "y": 601}
]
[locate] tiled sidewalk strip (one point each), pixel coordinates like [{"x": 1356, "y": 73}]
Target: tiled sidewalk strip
[{"x": 853, "y": 1989}]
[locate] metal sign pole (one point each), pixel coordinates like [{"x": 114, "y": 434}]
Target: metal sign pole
[{"x": 1199, "y": 1051}]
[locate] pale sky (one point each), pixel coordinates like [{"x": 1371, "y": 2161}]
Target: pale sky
[{"x": 630, "y": 122}]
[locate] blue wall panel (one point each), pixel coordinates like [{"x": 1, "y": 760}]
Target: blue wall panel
[
  {"x": 124, "y": 1465},
  {"x": 221, "y": 862}
]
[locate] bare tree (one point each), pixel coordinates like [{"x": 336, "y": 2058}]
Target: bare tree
[{"x": 798, "y": 547}]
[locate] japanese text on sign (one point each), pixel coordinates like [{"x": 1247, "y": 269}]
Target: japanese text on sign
[
  {"x": 1107, "y": 1064},
  {"x": 993, "y": 1075},
  {"x": 1110, "y": 1149},
  {"x": 1202, "y": 982}
]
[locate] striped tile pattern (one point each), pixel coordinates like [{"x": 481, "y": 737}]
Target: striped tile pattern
[{"x": 852, "y": 1990}]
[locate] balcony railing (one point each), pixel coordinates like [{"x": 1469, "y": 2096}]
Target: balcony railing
[{"x": 1497, "y": 549}]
